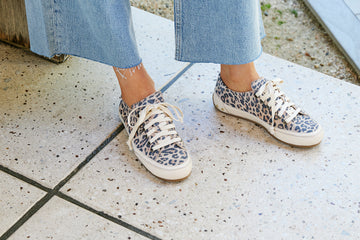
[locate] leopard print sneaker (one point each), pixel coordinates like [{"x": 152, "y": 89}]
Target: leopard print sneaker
[
  {"x": 153, "y": 138},
  {"x": 266, "y": 105}
]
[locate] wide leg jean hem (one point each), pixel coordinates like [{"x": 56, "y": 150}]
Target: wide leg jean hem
[
  {"x": 95, "y": 30},
  {"x": 225, "y": 32},
  {"x": 212, "y": 31},
  {"x": 220, "y": 61}
]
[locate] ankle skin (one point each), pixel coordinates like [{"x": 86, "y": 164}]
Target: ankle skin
[
  {"x": 135, "y": 83},
  {"x": 239, "y": 77}
]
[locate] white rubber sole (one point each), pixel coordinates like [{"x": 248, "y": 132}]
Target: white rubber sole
[
  {"x": 168, "y": 173},
  {"x": 291, "y": 138}
]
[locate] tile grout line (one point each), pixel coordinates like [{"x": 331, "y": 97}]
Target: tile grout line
[
  {"x": 88, "y": 158},
  {"x": 55, "y": 191},
  {"x": 24, "y": 178},
  {"x": 176, "y": 77},
  {"x": 106, "y": 216},
  {"x": 27, "y": 215},
  {"x": 51, "y": 192}
]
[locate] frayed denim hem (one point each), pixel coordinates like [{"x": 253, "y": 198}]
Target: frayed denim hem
[
  {"x": 216, "y": 61},
  {"x": 192, "y": 60},
  {"x": 128, "y": 65}
]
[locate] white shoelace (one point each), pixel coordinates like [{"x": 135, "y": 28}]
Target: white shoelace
[
  {"x": 164, "y": 117},
  {"x": 278, "y": 101}
]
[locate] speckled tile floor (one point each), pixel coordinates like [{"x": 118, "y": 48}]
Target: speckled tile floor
[{"x": 66, "y": 172}]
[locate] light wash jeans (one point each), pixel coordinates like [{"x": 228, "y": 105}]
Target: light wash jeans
[{"x": 217, "y": 31}]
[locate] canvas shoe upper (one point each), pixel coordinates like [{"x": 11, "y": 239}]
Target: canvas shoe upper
[
  {"x": 268, "y": 106},
  {"x": 153, "y": 138}
]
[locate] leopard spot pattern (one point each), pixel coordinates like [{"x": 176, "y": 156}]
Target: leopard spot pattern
[
  {"x": 248, "y": 102},
  {"x": 170, "y": 155}
]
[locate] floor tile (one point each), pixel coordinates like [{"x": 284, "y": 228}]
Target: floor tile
[
  {"x": 53, "y": 116},
  {"x": 244, "y": 182},
  {"x": 16, "y": 197},
  {"x": 59, "y": 219}
]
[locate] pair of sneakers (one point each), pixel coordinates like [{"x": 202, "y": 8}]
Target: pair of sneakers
[{"x": 154, "y": 140}]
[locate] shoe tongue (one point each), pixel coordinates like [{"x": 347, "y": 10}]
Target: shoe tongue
[
  {"x": 255, "y": 85},
  {"x": 156, "y": 97}
]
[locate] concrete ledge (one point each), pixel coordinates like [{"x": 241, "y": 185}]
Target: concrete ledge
[{"x": 342, "y": 24}]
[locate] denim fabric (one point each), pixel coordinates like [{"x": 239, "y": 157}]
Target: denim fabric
[
  {"x": 227, "y": 31},
  {"x": 97, "y": 30}
]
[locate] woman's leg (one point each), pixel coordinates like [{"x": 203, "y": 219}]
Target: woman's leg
[
  {"x": 103, "y": 31},
  {"x": 149, "y": 122},
  {"x": 135, "y": 83},
  {"x": 239, "y": 77},
  {"x": 224, "y": 32},
  {"x": 229, "y": 33}
]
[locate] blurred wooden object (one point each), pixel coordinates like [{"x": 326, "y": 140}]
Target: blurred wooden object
[{"x": 14, "y": 28}]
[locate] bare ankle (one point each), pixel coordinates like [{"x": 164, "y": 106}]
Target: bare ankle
[
  {"x": 131, "y": 99},
  {"x": 135, "y": 84},
  {"x": 239, "y": 77}
]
